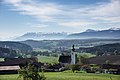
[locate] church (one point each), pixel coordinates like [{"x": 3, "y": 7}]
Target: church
[{"x": 68, "y": 59}]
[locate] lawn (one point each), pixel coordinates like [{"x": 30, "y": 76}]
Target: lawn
[
  {"x": 68, "y": 76},
  {"x": 46, "y": 59},
  {"x": 1, "y": 59}
]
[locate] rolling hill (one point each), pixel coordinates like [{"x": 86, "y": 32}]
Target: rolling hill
[{"x": 16, "y": 46}]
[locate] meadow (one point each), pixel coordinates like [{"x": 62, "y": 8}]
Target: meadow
[
  {"x": 68, "y": 76},
  {"x": 1, "y": 59},
  {"x": 47, "y": 59}
]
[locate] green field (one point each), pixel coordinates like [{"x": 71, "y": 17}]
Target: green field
[
  {"x": 68, "y": 76},
  {"x": 1, "y": 59},
  {"x": 46, "y": 59}
]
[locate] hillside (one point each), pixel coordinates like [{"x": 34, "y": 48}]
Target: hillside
[
  {"x": 102, "y": 49},
  {"x": 15, "y": 46},
  {"x": 66, "y": 44},
  {"x": 5, "y": 52}
]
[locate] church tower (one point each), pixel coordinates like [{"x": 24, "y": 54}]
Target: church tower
[{"x": 73, "y": 55}]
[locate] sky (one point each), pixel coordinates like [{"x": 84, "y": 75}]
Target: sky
[{"x": 21, "y": 16}]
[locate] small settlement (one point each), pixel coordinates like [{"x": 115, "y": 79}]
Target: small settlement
[{"x": 99, "y": 64}]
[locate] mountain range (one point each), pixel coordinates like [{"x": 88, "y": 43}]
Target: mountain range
[
  {"x": 42, "y": 36},
  {"x": 102, "y": 34},
  {"x": 112, "y": 33}
]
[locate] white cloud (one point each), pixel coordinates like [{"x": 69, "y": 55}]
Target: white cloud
[
  {"x": 107, "y": 9},
  {"x": 108, "y": 13},
  {"x": 76, "y": 24},
  {"x": 39, "y": 26},
  {"x": 13, "y": 1}
]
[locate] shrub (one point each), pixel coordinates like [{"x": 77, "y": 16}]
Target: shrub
[{"x": 30, "y": 73}]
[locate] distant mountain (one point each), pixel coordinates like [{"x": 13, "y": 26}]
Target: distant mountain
[
  {"x": 113, "y": 28},
  {"x": 88, "y": 34},
  {"x": 42, "y": 36},
  {"x": 103, "y": 34},
  {"x": 90, "y": 30}
]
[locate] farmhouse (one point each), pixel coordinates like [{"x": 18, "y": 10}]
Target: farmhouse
[
  {"x": 111, "y": 59},
  {"x": 109, "y": 64},
  {"x": 9, "y": 69},
  {"x": 11, "y": 65}
]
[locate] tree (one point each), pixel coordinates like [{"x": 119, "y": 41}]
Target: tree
[
  {"x": 75, "y": 67},
  {"x": 30, "y": 73}
]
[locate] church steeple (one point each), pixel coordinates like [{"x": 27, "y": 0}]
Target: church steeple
[
  {"x": 73, "y": 55},
  {"x": 73, "y": 49}
]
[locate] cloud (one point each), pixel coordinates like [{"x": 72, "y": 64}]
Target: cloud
[
  {"x": 108, "y": 9},
  {"x": 71, "y": 16},
  {"x": 76, "y": 24},
  {"x": 38, "y": 25}
]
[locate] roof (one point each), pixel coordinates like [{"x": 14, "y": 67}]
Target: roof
[
  {"x": 4, "y": 68},
  {"x": 65, "y": 59},
  {"x": 17, "y": 61},
  {"x": 112, "y": 59},
  {"x": 109, "y": 66}
]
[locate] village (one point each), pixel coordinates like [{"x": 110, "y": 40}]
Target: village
[{"x": 107, "y": 64}]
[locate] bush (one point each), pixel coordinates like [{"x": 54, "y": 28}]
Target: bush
[
  {"x": 30, "y": 73},
  {"x": 75, "y": 67}
]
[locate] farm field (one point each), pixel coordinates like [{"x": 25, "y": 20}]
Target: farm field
[
  {"x": 46, "y": 59},
  {"x": 1, "y": 59},
  {"x": 68, "y": 76}
]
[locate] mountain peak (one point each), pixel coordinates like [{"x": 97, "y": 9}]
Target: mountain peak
[
  {"x": 90, "y": 30},
  {"x": 114, "y": 28}
]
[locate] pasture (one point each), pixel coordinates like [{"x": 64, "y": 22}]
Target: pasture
[
  {"x": 1, "y": 59},
  {"x": 68, "y": 76},
  {"x": 46, "y": 59}
]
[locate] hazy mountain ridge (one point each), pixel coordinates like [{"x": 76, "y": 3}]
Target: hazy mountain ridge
[
  {"x": 42, "y": 36},
  {"x": 88, "y": 34},
  {"x": 110, "y": 33}
]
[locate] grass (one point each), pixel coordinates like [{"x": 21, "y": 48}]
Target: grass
[
  {"x": 1, "y": 59},
  {"x": 9, "y": 77},
  {"x": 46, "y": 59},
  {"x": 80, "y": 76},
  {"x": 68, "y": 76}
]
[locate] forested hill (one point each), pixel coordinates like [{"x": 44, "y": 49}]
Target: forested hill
[
  {"x": 5, "y": 53},
  {"x": 49, "y": 44},
  {"x": 106, "y": 49},
  {"x": 16, "y": 46}
]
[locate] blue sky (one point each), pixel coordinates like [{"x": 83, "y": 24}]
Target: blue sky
[{"x": 20, "y": 16}]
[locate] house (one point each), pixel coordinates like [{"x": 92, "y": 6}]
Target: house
[
  {"x": 108, "y": 63},
  {"x": 111, "y": 59},
  {"x": 9, "y": 69},
  {"x": 11, "y": 65},
  {"x": 17, "y": 61},
  {"x": 111, "y": 68}
]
